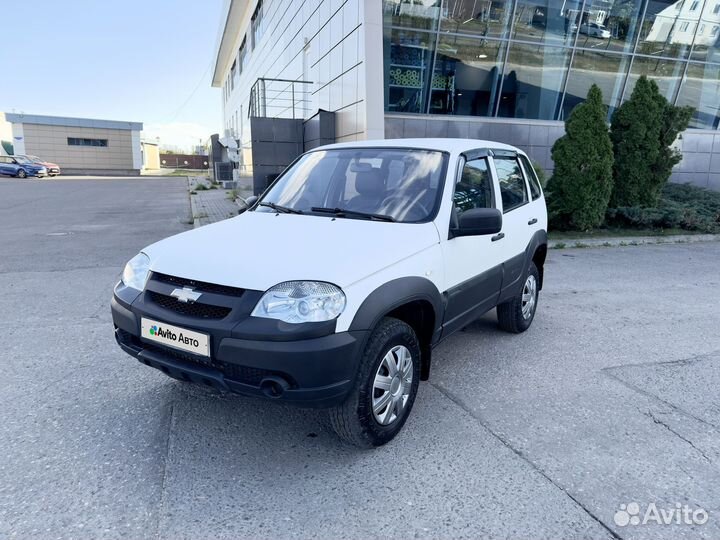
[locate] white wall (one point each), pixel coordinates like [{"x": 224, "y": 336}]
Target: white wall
[{"x": 327, "y": 42}]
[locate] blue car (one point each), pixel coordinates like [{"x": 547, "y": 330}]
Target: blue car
[{"x": 20, "y": 167}]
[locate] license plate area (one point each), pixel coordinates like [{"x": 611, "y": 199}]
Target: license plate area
[{"x": 175, "y": 337}]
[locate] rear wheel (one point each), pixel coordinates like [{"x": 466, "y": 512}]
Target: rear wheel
[
  {"x": 385, "y": 388},
  {"x": 21, "y": 173},
  {"x": 516, "y": 315}
]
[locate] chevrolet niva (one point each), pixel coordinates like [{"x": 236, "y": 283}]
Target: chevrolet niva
[{"x": 333, "y": 287}]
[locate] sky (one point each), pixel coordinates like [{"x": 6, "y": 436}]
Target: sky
[{"x": 146, "y": 61}]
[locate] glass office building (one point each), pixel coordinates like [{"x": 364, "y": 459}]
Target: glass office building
[{"x": 536, "y": 59}]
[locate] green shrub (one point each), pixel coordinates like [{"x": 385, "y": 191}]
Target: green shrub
[
  {"x": 579, "y": 189},
  {"x": 642, "y": 130},
  {"x": 681, "y": 206},
  {"x": 539, "y": 172}
]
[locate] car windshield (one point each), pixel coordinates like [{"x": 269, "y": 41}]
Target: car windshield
[
  {"x": 391, "y": 184},
  {"x": 33, "y": 158},
  {"x": 21, "y": 159}
]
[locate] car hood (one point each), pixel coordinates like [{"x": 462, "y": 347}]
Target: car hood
[
  {"x": 257, "y": 250},
  {"x": 48, "y": 164}
]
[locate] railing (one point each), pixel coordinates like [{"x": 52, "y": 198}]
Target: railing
[{"x": 280, "y": 98}]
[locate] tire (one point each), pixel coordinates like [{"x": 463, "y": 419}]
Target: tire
[
  {"x": 391, "y": 343},
  {"x": 21, "y": 173},
  {"x": 516, "y": 315}
]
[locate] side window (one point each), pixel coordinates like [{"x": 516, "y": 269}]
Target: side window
[
  {"x": 474, "y": 188},
  {"x": 535, "y": 190},
  {"x": 512, "y": 183}
]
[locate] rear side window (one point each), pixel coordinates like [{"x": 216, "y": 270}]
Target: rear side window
[
  {"x": 512, "y": 183},
  {"x": 535, "y": 190},
  {"x": 474, "y": 187}
]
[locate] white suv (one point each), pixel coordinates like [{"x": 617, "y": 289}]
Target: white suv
[{"x": 334, "y": 286}]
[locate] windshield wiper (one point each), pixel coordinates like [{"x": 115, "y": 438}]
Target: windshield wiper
[
  {"x": 278, "y": 208},
  {"x": 345, "y": 212}
]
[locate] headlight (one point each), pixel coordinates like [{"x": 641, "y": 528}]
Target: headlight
[
  {"x": 301, "y": 301},
  {"x": 136, "y": 272}
]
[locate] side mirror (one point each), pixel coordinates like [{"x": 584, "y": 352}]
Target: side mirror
[
  {"x": 478, "y": 221},
  {"x": 249, "y": 202}
]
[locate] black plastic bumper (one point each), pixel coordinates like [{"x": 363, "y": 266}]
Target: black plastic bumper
[{"x": 316, "y": 372}]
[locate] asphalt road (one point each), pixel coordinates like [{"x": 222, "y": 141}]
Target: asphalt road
[{"x": 610, "y": 398}]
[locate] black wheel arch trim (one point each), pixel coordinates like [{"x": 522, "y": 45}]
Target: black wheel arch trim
[
  {"x": 394, "y": 294},
  {"x": 538, "y": 240}
]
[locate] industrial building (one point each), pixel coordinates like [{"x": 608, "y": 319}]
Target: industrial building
[
  {"x": 78, "y": 145},
  {"x": 510, "y": 71}
]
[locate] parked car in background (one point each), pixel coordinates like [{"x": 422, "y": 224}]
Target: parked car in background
[
  {"x": 20, "y": 167},
  {"x": 52, "y": 168},
  {"x": 595, "y": 30}
]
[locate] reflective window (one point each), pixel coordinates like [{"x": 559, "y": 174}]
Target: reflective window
[
  {"x": 474, "y": 188},
  {"x": 420, "y": 14},
  {"x": 512, "y": 183},
  {"x": 606, "y": 70},
  {"x": 706, "y": 47},
  {"x": 554, "y": 22},
  {"x": 666, "y": 73},
  {"x": 701, "y": 89},
  {"x": 466, "y": 77},
  {"x": 487, "y": 18},
  {"x": 533, "y": 81},
  {"x": 666, "y": 30},
  {"x": 408, "y": 55},
  {"x": 511, "y": 58},
  {"x": 533, "y": 181},
  {"x": 611, "y": 26}
]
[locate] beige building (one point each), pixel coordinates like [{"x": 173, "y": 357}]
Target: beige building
[{"x": 79, "y": 145}]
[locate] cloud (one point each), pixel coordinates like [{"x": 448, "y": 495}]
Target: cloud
[{"x": 185, "y": 135}]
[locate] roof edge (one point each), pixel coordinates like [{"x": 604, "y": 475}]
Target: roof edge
[{"x": 19, "y": 118}]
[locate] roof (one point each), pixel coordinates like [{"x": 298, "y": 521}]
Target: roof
[
  {"x": 72, "y": 122},
  {"x": 443, "y": 144}
]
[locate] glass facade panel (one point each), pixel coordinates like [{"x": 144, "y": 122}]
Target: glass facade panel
[
  {"x": 420, "y": 14},
  {"x": 553, "y": 22},
  {"x": 408, "y": 57},
  {"x": 487, "y": 18},
  {"x": 706, "y": 47},
  {"x": 532, "y": 86},
  {"x": 606, "y": 70},
  {"x": 467, "y": 76},
  {"x": 666, "y": 73},
  {"x": 668, "y": 29},
  {"x": 536, "y": 59},
  {"x": 701, "y": 89},
  {"x": 610, "y": 25}
]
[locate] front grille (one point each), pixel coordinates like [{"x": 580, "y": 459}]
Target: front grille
[
  {"x": 191, "y": 309},
  {"x": 200, "y": 285}
]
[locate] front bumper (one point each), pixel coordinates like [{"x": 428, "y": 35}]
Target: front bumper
[{"x": 314, "y": 372}]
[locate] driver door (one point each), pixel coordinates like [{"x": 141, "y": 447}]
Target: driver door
[{"x": 473, "y": 264}]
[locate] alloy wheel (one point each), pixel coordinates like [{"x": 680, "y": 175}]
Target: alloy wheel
[{"x": 392, "y": 384}]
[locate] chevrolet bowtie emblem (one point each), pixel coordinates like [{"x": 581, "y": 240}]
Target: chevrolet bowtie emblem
[{"x": 186, "y": 295}]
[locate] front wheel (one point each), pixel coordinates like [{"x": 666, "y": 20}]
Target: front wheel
[
  {"x": 21, "y": 173},
  {"x": 385, "y": 387},
  {"x": 516, "y": 315}
]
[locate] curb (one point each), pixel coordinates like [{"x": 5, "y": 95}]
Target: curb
[{"x": 632, "y": 241}]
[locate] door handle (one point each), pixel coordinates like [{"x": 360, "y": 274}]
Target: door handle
[
  {"x": 533, "y": 221},
  {"x": 498, "y": 236}
]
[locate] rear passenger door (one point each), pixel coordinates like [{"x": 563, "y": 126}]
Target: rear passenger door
[
  {"x": 538, "y": 212},
  {"x": 517, "y": 212}
]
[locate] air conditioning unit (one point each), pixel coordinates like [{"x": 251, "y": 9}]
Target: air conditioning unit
[{"x": 223, "y": 171}]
